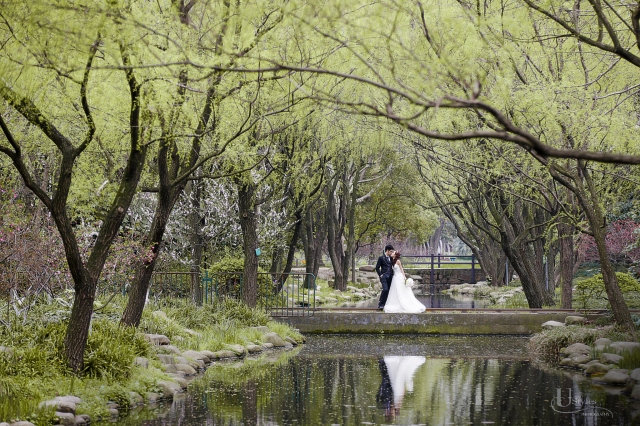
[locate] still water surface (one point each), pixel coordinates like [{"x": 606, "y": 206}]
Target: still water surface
[{"x": 364, "y": 380}]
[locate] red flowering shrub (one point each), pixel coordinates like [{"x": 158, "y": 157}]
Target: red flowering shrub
[{"x": 621, "y": 243}]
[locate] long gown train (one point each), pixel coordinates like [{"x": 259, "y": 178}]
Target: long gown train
[{"x": 401, "y": 298}]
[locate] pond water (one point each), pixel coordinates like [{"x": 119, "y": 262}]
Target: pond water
[
  {"x": 434, "y": 300},
  {"x": 366, "y": 380}
]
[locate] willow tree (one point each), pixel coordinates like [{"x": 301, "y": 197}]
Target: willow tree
[
  {"x": 209, "y": 112},
  {"x": 54, "y": 96},
  {"x": 459, "y": 72}
]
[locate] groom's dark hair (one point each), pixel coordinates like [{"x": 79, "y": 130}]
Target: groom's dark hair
[{"x": 388, "y": 247}]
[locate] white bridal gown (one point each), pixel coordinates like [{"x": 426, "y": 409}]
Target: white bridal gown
[
  {"x": 401, "y": 371},
  {"x": 401, "y": 298}
]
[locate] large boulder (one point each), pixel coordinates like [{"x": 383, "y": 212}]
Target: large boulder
[
  {"x": 157, "y": 339},
  {"x": 180, "y": 380},
  {"x": 63, "y": 404},
  {"x": 367, "y": 268},
  {"x": 603, "y": 341},
  {"x": 169, "y": 388},
  {"x": 225, "y": 353},
  {"x": 239, "y": 350},
  {"x": 575, "y": 360},
  {"x": 141, "y": 362},
  {"x": 135, "y": 399},
  {"x": 166, "y": 359},
  {"x": 253, "y": 349},
  {"x": 574, "y": 319},
  {"x": 66, "y": 419},
  {"x": 275, "y": 340},
  {"x": 552, "y": 324},
  {"x": 169, "y": 368},
  {"x": 620, "y": 347},
  {"x": 291, "y": 340},
  {"x": 198, "y": 356},
  {"x": 186, "y": 369},
  {"x": 635, "y": 375},
  {"x": 635, "y": 393},
  {"x": 192, "y": 363},
  {"x": 610, "y": 358},
  {"x": 615, "y": 378},
  {"x": 596, "y": 368},
  {"x": 576, "y": 348},
  {"x": 168, "y": 349},
  {"x": 82, "y": 419},
  {"x": 152, "y": 397},
  {"x": 209, "y": 354}
]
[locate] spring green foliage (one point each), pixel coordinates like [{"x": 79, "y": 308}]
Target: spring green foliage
[
  {"x": 590, "y": 292},
  {"x": 227, "y": 281},
  {"x": 33, "y": 369}
]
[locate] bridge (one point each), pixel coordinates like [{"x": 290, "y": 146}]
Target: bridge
[
  {"x": 299, "y": 309},
  {"x": 432, "y": 321}
]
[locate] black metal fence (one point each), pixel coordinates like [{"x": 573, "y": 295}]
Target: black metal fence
[
  {"x": 435, "y": 262},
  {"x": 295, "y": 296}
]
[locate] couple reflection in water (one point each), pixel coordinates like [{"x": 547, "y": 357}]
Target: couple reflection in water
[{"x": 397, "y": 378}]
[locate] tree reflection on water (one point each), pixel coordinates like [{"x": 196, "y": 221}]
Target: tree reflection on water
[{"x": 355, "y": 389}]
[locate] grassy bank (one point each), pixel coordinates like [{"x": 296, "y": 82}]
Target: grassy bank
[{"x": 32, "y": 367}]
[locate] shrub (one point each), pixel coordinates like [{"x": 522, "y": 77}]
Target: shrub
[
  {"x": 242, "y": 314},
  {"x": 111, "y": 349},
  {"x": 547, "y": 344},
  {"x": 227, "y": 279},
  {"x": 590, "y": 290}
]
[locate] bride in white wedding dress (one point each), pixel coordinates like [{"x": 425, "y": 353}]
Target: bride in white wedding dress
[
  {"x": 401, "y": 371},
  {"x": 401, "y": 298}
]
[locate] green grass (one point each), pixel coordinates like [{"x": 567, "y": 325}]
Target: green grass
[
  {"x": 35, "y": 370},
  {"x": 630, "y": 359}
]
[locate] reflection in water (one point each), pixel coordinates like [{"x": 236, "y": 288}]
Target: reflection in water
[
  {"x": 401, "y": 370},
  {"x": 312, "y": 389},
  {"x": 384, "y": 397}
]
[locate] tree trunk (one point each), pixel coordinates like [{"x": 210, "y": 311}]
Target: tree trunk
[
  {"x": 142, "y": 279},
  {"x": 195, "y": 223},
  {"x": 434, "y": 241},
  {"x": 282, "y": 276},
  {"x": 313, "y": 238},
  {"x": 596, "y": 220},
  {"x": 525, "y": 257},
  {"x": 79, "y": 322},
  {"x": 590, "y": 202},
  {"x": 334, "y": 239},
  {"x": 168, "y": 194},
  {"x": 565, "y": 236},
  {"x": 249, "y": 226}
]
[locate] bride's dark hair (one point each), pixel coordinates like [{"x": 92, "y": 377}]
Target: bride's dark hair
[{"x": 395, "y": 258}]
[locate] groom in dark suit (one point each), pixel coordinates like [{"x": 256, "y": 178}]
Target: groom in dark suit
[{"x": 385, "y": 272}]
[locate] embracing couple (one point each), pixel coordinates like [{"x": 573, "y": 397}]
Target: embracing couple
[{"x": 396, "y": 296}]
